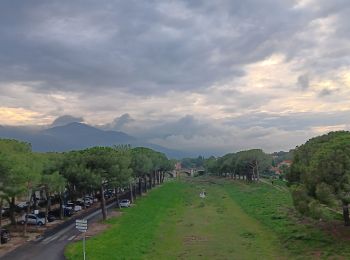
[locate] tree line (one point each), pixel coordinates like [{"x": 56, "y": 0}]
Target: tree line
[
  {"x": 76, "y": 173},
  {"x": 249, "y": 164}
]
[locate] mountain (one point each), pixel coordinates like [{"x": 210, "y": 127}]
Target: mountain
[{"x": 76, "y": 136}]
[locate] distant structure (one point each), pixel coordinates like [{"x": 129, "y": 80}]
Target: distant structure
[
  {"x": 285, "y": 162},
  {"x": 178, "y": 166},
  {"x": 278, "y": 170}
]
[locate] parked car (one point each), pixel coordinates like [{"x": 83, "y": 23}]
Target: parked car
[
  {"x": 5, "y": 212},
  {"x": 50, "y": 216},
  {"x": 66, "y": 212},
  {"x": 4, "y": 235},
  {"x": 109, "y": 193},
  {"x": 83, "y": 203},
  {"x": 91, "y": 198},
  {"x": 124, "y": 203},
  {"x": 22, "y": 206},
  {"x": 88, "y": 199},
  {"x": 71, "y": 205},
  {"x": 32, "y": 219}
]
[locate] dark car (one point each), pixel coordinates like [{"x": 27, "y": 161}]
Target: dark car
[
  {"x": 50, "y": 216},
  {"x": 66, "y": 212},
  {"x": 5, "y": 212},
  {"x": 22, "y": 206},
  {"x": 5, "y": 236}
]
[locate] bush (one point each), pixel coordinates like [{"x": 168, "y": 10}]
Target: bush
[{"x": 301, "y": 199}]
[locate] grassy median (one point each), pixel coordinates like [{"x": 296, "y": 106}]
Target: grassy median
[
  {"x": 235, "y": 221},
  {"x": 131, "y": 236}
]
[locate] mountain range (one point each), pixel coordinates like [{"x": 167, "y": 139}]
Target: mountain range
[{"x": 76, "y": 136}]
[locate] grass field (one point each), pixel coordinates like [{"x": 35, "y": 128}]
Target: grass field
[{"x": 235, "y": 221}]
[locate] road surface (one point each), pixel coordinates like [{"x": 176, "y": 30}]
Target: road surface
[{"x": 51, "y": 247}]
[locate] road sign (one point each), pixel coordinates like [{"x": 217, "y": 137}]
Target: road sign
[{"x": 81, "y": 225}]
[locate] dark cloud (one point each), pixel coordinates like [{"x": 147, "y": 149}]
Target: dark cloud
[
  {"x": 291, "y": 121},
  {"x": 139, "y": 46},
  {"x": 304, "y": 81},
  {"x": 119, "y": 122},
  {"x": 326, "y": 92},
  {"x": 187, "y": 126},
  {"x": 66, "y": 119}
]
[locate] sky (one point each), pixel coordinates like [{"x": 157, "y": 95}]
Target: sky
[{"x": 222, "y": 75}]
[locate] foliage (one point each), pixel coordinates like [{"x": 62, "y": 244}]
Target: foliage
[
  {"x": 193, "y": 162},
  {"x": 249, "y": 163},
  {"x": 321, "y": 170},
  {"x": 274, "y": 209}
]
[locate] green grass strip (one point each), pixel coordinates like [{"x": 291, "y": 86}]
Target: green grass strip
[
  {"x": 274, "y": 209},
  {"x": 131, "y": 235}
]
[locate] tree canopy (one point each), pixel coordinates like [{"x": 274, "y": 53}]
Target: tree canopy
[{"x": 320, "y": 174}]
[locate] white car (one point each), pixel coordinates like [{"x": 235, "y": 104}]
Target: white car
[
  {"x": 32, "y": 219},
  {"x": 91, "y": 198},
  {"x": 72, "y": 206},
  {"x": 124, "y": 203}
]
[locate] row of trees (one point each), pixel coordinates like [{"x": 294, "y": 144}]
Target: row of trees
[
  {"x": 244, "y": 164},
  {"x": 76, "y": 173},
  {"x": 320, "y": 175}
]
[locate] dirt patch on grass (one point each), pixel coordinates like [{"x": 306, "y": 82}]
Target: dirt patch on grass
[
  {"x": 336, "y": 229},
  {"x": 194, "y": 239},
  {"x": 98, "y": 227}
]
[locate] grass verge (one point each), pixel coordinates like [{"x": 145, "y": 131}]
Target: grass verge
[
  {"x": 131, "y": 236},
  {"x": 302, "y": 238}
]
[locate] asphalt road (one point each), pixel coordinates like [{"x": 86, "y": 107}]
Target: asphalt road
[{"x": 51, "y": 247}]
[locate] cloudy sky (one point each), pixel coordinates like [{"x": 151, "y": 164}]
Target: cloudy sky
[{"x": 220, "y": 75}]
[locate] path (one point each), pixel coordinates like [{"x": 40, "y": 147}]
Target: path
[{"x": 213, "y": 228}]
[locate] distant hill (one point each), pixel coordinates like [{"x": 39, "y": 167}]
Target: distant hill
[{"x": 76, "y": 136}]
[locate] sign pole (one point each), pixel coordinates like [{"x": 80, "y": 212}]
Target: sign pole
[
  {"x": 84, "y": 247},
  {"x": 82, "y": 226}
]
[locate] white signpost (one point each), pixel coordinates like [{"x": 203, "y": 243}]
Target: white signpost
[{"x": 82, "y": 226}]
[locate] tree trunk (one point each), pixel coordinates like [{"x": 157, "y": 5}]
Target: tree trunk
[
  {"x": 12, "y": 211},
  {"x": 61, "y": 206},
  {"x": 103, "y": 204},
  {"x": 145, "y": 185},
  {"x": 131, "y": 194},
  {"x": 0, "y": 217},
  {"x": 346, "y": 214},
  {"x": 26, "y": 221},
  {"x": 35, "y": 201},
  {"x": 140, "y": 186},
  {"x": 150, "y": 181},
  {"x": 48, "y": 204},
  {"x": 30, "y": 194},
  {"x": 117, "y": 194},
  {"x": 154, "y": 179}
]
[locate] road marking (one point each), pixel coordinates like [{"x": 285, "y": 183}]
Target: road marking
[
  {"x": 63, "y": 238},
  {"x": 71, "y": 238},
  {"x": 71, "y": 226},
  {"x": 50, "y": 239}
]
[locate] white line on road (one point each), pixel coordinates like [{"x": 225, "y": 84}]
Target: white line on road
[
  {"x": 49, "y": 239},
  {"x": 71, "y": 238},
  {"x": 65, "y": 230},
  {"x": 63, "y": 238}
]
